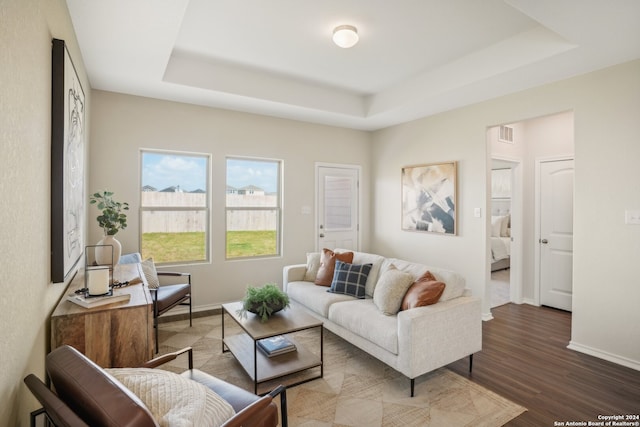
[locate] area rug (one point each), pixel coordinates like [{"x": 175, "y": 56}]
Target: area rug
[{"x": 356, "y": 390}]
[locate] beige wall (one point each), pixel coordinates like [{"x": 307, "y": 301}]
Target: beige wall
[
  {"x": 122, "y": 124},
  {"x": 606, "y": 107},
  {"x": 27, "y": 296}
]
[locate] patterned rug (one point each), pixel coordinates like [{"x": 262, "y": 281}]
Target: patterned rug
[{"x": 356, "y": 390}]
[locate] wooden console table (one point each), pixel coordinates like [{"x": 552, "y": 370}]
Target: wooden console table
[{"x": 113, "y": 335}]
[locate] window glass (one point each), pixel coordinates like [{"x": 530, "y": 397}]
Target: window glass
[
  {"x": 174, "y": 202},
  {"x": 252, "y": 208}
]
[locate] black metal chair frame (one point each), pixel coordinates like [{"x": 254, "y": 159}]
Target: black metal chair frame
[{"x": 186, "y": 300}]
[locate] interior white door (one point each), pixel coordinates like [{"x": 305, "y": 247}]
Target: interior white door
[
  {"x": 338, "y": 193},
  {"x": 556, "y": 233}
]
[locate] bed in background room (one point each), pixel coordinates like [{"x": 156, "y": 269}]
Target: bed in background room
[{"x": 500, "y": 234}]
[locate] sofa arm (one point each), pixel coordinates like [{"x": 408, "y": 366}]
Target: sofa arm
[
  {"x": 293, "y": 273},
  {"x": 436, "y": 335}
]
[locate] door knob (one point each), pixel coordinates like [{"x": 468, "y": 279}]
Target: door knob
[{"x": 544, "y": 241}]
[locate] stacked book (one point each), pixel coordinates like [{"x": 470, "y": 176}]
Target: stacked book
[
  {"x": 89, "y": 301},
  {"x": 274, "y": 346}
]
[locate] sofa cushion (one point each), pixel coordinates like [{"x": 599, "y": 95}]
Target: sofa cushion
[
  {"x": 363, "y": 318},
  {"x": 390, "y": 289},
  {"x": 173, "y": 399},
  {"x": 424, "y": 291},
  {"x": 454, "y": 282},
  {"x": 313, "y": 264},
  {"x": 376, "y": 262},
  {"x": 315, "y": 298},
  {"x": 328, "y": 264},
  {"x": 350, "y": 279}
]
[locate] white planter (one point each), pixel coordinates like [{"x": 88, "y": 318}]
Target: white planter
[{"x": 103, "y": 255}]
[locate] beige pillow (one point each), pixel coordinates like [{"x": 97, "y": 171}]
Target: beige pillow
[
  {"x": 426, "y": 290},
  {"x": 149, "y": 270},
  {"x": 390, "y": 289},
  {"x": 174, "y": 400},
  {"x": 313, "y": 264},
  {"x": 328, "y": 265}
]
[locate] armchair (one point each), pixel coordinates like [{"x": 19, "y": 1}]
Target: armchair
[
  {"x": 86, "y": 395},
  {"x": 165, "y": 297}
]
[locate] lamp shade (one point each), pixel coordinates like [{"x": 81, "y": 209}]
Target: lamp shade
[{"x": 345, "y": 36}]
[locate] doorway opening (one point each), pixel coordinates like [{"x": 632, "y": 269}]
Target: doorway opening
[{"x": 514, "y": 164}]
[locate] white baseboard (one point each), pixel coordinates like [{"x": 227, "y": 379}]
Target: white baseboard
[
  {"x": 487, "y": 316},
  {"x": 633, "y": 364},
  {"x": 530, "y": 302}
]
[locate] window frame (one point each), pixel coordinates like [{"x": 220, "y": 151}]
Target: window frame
[
  {"x": 206, "y": 208},
  {"x": 277, "y": 208}
]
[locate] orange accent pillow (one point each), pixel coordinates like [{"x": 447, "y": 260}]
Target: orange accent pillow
[
  {"x": 328, "y": 264},
  {"x": 426, "y": 290}
]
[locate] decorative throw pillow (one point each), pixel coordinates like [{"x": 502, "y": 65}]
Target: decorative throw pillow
[
  {"x": 313, "y": 264},
  {"x": 149, "y": 270},
  {"x": 496, "y": 225},
  {"x": 506, "y": 223},
  {"x": 426, "y": 290},
  {"x": 328, "y": 265},
  {"x": 390, "y": 289},
  {"x": 350, "y": 279},
  {"x": 174, "y": 400}
]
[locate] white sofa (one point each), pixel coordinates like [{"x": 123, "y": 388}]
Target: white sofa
[{"x": 414, "y": 341}]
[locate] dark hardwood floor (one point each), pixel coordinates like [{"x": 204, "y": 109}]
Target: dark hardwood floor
[{"x": 525, "y": 359}]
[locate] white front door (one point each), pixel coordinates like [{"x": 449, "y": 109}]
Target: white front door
[
  {"x": 556, "y": 233},
  {"x": 337, "y": 216}
]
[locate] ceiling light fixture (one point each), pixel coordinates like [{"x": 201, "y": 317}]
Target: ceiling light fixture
[{"x": 345, "y": 36}]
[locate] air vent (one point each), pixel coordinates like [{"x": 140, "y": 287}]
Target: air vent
[{"x": 506, "y": 134}]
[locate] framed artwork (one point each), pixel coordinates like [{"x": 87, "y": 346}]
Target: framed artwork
[
  {"x": 429, "y": 198},
  {"x": 501, "y": 183},
  {"x": 67, "y": 164}
]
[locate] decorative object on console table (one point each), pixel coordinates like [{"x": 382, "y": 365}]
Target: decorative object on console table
[
  {"x": 429, "y": 198},
  {"x": 88, "y": 301},
  {"x": 67, "y": 164},
  {"x": 98, "y": 279},
  {"x": 264, "y": 301},
  {"x": 112, "y": 220},
  {"x": 274, "y": 346}
]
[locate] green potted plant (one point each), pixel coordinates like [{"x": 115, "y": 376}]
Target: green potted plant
[
  {"x": 111, "y": 220},
  {"x": 264, "y": 301}
]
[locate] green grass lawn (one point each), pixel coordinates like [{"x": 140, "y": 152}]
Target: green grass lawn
[{"x": 176, "y": 247}]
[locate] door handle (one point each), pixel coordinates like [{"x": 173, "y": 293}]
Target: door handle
[
  {"x": 321, "y": 234},
  {"x": 544, "y": 241}
]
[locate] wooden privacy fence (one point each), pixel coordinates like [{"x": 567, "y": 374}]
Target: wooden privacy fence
[{"x": 180, "y": 221}]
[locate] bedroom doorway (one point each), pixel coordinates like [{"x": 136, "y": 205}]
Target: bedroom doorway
[{"x": 505, "y": 225}]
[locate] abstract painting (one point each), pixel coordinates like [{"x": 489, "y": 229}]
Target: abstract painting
[{"x": 429, "y": 198}]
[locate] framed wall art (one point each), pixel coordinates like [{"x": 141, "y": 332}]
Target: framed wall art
[
  {"x": 429, "y": 198},
  {"x": 67, "y": 164}
]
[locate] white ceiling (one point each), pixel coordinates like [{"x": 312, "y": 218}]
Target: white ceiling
[{"x": 415, "y": 57}]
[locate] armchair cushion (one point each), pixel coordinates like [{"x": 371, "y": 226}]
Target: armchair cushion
[
  {"x": 169, "y": 295},
  {"x": 173, "y": 399}
]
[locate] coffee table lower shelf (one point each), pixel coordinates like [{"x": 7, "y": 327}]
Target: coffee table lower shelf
[{"x": 245, "y": 351}]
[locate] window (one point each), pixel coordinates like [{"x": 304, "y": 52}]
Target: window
[
  {"x": 174, "y": 202},
  {"x": 253, "y": 208}
]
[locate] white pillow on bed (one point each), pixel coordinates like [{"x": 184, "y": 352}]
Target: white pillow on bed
[
  {"x": 505, "y": 231},
  {"x": 496, "y": 225}
]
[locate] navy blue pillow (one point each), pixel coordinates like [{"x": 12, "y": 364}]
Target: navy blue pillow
[{"x": 350, "y": 279}]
